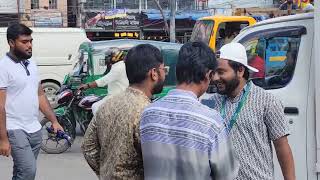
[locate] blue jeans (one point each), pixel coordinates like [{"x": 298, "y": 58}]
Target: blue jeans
[{"x": 25, "y": 148}]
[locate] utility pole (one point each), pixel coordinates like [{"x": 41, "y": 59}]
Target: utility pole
[
  {"x": 19, "y": 13},
  {"x": 81, "y": 11},
  {"x": 173, "y": 21}
]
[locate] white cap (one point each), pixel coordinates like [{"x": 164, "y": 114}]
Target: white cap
[{"x": 236, "y": 52}]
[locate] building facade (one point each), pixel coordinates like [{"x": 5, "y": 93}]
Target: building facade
[
  {"x": 44, "y": 13},
  {"x": 141, "y": 19}
]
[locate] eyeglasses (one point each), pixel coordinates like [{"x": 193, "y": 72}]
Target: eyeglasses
[{"x": 166, "y": 69}]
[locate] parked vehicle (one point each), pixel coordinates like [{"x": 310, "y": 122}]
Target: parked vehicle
[
  {"x": 93, "y": 55},
  {"x": 290, "y": 67},
  {"x": 54, "y": 50},
  {"x": 213, "y": 30},
  {"x": 74, "y": 107}
]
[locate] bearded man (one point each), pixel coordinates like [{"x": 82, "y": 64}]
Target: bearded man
[
  {"x": 254, "y": 117},
  {"x": 111, "y": 143}
]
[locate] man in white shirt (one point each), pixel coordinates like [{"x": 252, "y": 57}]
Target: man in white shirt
[
  {"x": 116, "y": 79},
  {"x": 21, "y": 97}
]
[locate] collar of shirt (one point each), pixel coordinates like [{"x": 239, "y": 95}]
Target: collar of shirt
[
  {"x": 138, "y": 93},
  {"x": 238, "y": 97},
  {"x": 183, "y": 93},
  {"x": 15, "y": 59}
]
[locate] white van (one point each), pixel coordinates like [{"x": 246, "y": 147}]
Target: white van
[
  {"x": 286, "y": 45},
  {"x": 54, "y": 50}
]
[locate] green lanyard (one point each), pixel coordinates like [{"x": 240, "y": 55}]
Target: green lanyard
[{"x": 239, "y": 107}]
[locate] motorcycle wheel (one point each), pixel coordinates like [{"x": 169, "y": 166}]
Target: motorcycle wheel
[{"x": 50, "y": 144}]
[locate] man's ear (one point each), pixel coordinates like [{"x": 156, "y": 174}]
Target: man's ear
[
  {"x": 11, "y": 42},
  {"x": 154, "y": 74},
  {"x": 241, "y": 71}
]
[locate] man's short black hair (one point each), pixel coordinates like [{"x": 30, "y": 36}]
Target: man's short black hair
[
  {"x": 194, "y": 61},
  {"x": 139, "y": 60},
  {"x": 15, "y": 30},
  {"x": 236, "y": 67}
]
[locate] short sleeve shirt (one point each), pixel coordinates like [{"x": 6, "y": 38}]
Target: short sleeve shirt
[
  {"x": 260, "y": 121},
  {"x": 22, "y": 102}
]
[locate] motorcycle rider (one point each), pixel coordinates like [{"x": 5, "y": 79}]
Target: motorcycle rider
[{"x": 116, "y": 79}]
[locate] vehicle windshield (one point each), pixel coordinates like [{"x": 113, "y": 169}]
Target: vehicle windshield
[
  {"x": 80, "y": 65},
  {"x": 202, "y": 31}
]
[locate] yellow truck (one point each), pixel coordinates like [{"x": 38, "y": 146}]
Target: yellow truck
[{"x": 219, "y": 30}]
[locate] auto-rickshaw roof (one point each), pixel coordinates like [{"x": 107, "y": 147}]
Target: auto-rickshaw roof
[{"x": 129, "y": 43}]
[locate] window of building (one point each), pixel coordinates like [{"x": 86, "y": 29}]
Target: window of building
[
  {"x": 53, "y": 4},
  {"x": 274, "y": 56},
  {"x": 34, "y": 4}
]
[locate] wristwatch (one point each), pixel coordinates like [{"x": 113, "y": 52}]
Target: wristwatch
[{"x": 88, "y": 86}]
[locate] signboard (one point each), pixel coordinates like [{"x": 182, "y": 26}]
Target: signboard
[
  {"x": 113, "y": 20},
  {"x": 47, "y": 19},
  {"x": 8, "y": 7}
]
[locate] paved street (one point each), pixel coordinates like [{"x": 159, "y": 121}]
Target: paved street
[{"x": 67, "y": 166}]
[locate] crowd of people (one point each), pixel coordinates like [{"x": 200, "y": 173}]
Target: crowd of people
[{"x": 175, "y": 137}]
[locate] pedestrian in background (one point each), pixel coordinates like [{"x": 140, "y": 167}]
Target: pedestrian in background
[
  {"x": 254, "y": 118},
  {"x": 111, "y": 143},
  {"x": 21, "y": 97},
  {"x": 181, "y": 138},
  {"x": 116, "y": 79}
]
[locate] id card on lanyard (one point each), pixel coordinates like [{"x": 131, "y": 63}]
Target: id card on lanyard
[{"x": 241, "y": 103}]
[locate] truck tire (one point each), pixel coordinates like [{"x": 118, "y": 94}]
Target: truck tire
[{"x": 50, "y": 89}]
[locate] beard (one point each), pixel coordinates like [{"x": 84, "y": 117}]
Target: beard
[
  {"x": 158, "y": 87},
  {"x": 229, "y": 86},
  {"x": 21, "y": 54}
]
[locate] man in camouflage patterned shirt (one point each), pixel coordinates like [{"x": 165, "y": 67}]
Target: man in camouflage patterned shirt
[
  {"x": 254, "y": 117},
  {"x": 111, "y": 143}
]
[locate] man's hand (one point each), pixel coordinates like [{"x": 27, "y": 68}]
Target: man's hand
[
  {"x": 83, "y": 86},
  {"x": 56, "y": 126},
  {"x": 5, "y": 148}
]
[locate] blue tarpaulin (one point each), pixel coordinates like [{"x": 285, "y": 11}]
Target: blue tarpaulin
[{"x": 154, "y": 14}]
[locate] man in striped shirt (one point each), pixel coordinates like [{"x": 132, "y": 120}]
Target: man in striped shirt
[{"x": 180, "y": 137}]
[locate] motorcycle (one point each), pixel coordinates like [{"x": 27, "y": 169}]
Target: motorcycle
[{"x": 73, "y": 107}]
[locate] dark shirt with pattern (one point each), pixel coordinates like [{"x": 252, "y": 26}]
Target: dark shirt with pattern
[
  {"x": 111, "y": 143},
  {"x": 260, "y": 121}
]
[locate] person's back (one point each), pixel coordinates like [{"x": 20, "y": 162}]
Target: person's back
[
  {"x": 114, "y": 115},
  {"x": 186, "y": 134},
  {"x": 180, "y": 137}
]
